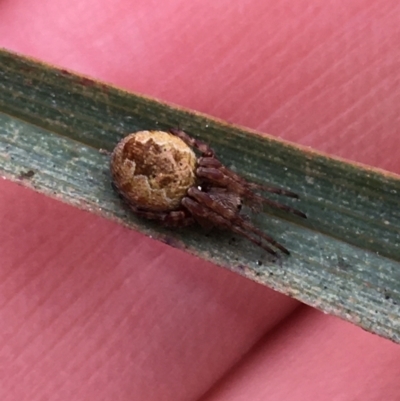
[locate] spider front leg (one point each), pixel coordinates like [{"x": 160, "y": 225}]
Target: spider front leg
[
  {"x": 200, "y": 211},
  {"x": 215, "y": 202},
  {"x": 212, "y": 162},
  {"x": 209, "y": 171}
]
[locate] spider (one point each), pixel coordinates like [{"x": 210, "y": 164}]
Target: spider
[{"x": 160, "y": 177}]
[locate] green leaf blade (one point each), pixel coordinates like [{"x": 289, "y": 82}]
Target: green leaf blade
[{"x": 345, "y": 258}]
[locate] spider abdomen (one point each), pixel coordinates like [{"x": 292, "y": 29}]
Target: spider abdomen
[{"x": 153, "y": 170}]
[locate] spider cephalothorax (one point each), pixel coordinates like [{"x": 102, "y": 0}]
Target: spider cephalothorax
[{"x": 160, "y": 177}]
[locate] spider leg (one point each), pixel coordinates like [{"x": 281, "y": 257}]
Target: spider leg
[
  {"x": 173, "y": 219},
  {"x": 231, "y": 215},
  {"x": 218, "y": 178},
  {"x": 201, "y": 211},
  {"x": 208, "y": 160},
  {"x": 215, "y": 163},
  {"x": 195, "y": 143},
  {"x": 285, "y": 208}
]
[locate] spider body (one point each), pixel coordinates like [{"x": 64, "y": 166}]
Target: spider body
[{"x": 159, "y": 176}]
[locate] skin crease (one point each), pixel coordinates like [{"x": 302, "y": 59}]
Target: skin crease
[{"x": 94, "y": 311}]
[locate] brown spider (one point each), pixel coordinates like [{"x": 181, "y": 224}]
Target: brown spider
[{"x": 159, "y": 176}]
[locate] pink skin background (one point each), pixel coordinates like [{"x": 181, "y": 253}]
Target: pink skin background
[{"x": 93, "y": 311}]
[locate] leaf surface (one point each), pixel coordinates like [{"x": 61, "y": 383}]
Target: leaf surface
[{"x": 345, "y": 258}]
